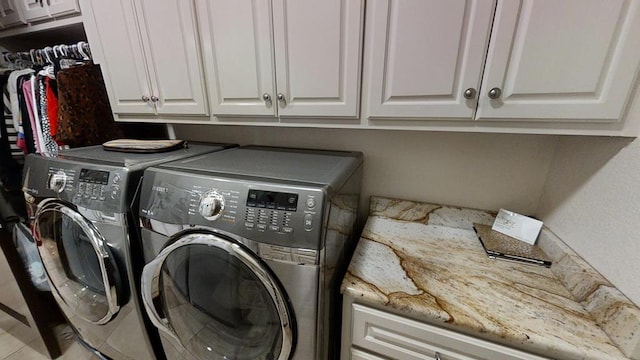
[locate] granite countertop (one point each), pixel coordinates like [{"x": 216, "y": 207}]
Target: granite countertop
[{"x": 426, "y": 262}]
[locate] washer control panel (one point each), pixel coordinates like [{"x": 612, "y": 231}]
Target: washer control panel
[
  {"x": 91, "y": 188},
  {"x": 271, "y": 213}
]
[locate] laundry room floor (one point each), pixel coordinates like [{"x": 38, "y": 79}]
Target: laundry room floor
[{"x": 17, "y": 342}]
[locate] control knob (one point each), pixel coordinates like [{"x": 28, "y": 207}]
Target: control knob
[
  {"x": 57, "y": 181},
  {"x": 211, "y": 205}
]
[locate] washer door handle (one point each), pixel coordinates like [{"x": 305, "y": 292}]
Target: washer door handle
[{"x": 149, "y": 281}]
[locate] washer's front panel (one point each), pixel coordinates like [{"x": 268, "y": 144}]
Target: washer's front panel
[{"x": 272, "y": 214}]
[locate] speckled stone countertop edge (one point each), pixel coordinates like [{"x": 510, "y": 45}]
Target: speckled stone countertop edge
[{"x": 615, "y": 314}]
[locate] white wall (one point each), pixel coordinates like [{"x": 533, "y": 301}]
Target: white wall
[
  {"x": 592, "y": 201},
  {"x": 487, "y": 171}
]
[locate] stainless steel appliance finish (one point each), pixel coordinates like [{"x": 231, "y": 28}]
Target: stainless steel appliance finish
[
  {"x": 245, "y": 249},
  {"x": 84, "y": 207}
]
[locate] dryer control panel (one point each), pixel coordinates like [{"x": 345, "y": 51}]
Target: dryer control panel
[{"x": 271, "y": 213}]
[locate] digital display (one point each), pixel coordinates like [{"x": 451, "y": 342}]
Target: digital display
[
  {"x": 94, "y": 176},
  {"x": 272, "y": 200}
]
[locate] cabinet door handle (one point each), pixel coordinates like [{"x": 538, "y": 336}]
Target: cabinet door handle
[
  {"x": 154, "y": 98},
  {"x": 266, "y": 97},
  {"x": 145, "y": 98},
  {"x": 494, "y": 93},
  {"x": 469, "y": 94},
  {"x": 437, "y": 357},
  {"x": 281, "y": 98}
]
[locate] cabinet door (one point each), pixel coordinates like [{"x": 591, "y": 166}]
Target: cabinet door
[
  {"x": 10, "y": 14},
  {"x": 317, "y": 54},
  {"x": 571, "y": 59},
  {"x": 62, "y": 7},
  {"x": 172, "y": 51},
  {"x": 238, "y": 54},
  {"x": 423, "y": 55},
  {"x": 34, "y": 10},
  {"x": 122, "y": 60}
]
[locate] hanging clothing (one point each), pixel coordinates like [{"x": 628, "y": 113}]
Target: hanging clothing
[
  {"x": 50, "y": 147},
  {"x": 52, "y": 105},
  {"x": 29, "y": 142},
  {"x": 29, "y": 96},
  {"x": 12, "y": 130},
  {"x": 12, "y": 87},
  {"x": 84, "y": 113},
  {"x": 10, "y": 169}
]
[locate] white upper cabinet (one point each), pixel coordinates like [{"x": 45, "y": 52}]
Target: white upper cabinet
[
  {"x": 549, "y": 64},
  {"x": 283, "y": 58},
  {"x": 570, "y": 59},
  {"x": 424, "y": 55},
  {"x": 238, "y": 52},
  {"x": 36, "y": 10},
  {"x": 10, "y": 14},
  {"x": 150, "y": 55}
]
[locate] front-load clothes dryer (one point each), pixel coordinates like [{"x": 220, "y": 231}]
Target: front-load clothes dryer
[
  {"x": 245, "y": 249},
  {"x": 84, "y": 209}
]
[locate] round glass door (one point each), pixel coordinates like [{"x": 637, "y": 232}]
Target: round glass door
[
  {"x": 79, "y": 265},
  {"x": 219, "y": 299}
]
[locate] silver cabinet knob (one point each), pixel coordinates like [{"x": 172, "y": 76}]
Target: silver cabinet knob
[
  {"x": 437, "y": 357},
  {"x": 494, "y": 93},
  {"x": 154, "y": 98},
  {"x": 469, "y": 94},
  {"x": 266, "y": 97},
  {"x": 145, "y": 98},
  {"x": 281, "y": 98}
]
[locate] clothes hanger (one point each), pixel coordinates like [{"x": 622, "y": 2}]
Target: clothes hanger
[{"x": 81, "y": 49}]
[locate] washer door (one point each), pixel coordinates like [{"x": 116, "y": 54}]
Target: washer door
[
  {"x": 219, "y": 300},
  {"x": 79, "y": 265}
]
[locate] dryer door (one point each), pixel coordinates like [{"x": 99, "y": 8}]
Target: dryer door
[
  {"x": 80, "y": 267},
  {"x": 218, "y": 299}
]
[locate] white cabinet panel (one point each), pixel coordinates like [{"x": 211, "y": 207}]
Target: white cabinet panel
[
  {"x": 237, "y": 45},
  {"x": 36, "y": 10},
  {"x": 122, "y": 62},
  {"x": 10, "y": 14},
  {"x": 283, "y": 58},
  {"x": 317, "y": 55},
  {"x": 150, "y": 55},
  {"x": 173, "y": 56},
  {"x": 362, "y": 355},
  {"x": 572, "y": 59},
  {"x": 424, "y": 54},
  {"x": 397, "y": 337}
]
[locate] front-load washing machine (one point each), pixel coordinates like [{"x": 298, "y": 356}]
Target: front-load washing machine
[
  {"x": 83, "y": 205},
  {"x": 245, "y": 249}
]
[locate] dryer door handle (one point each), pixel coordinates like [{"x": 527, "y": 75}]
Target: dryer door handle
[{"x": 149, "y": 282}]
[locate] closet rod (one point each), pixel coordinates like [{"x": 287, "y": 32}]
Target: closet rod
[{"x": 81, "y": 50}]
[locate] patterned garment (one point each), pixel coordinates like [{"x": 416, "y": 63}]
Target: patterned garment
[
  {"x": 49, "y": 148},
  {"x": 84, "y": 113},
  {"x": 10, "y": 169},
  {"x": 12, "y": 132}
]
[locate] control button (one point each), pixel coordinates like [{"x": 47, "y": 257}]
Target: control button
[
  {"x": 248, "y": 225},
  {"x": 116, "y": 179},
  {"x": 274, "y": 228},
  {"x": 211, "y": 205},
  {"x": 308, "y": 222},
  {"x": 287, "y": 230},
  {"x": 262, "y": 227},
  {"x": 57, "y": 181},
  {"x": 311, "y": 203}
]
